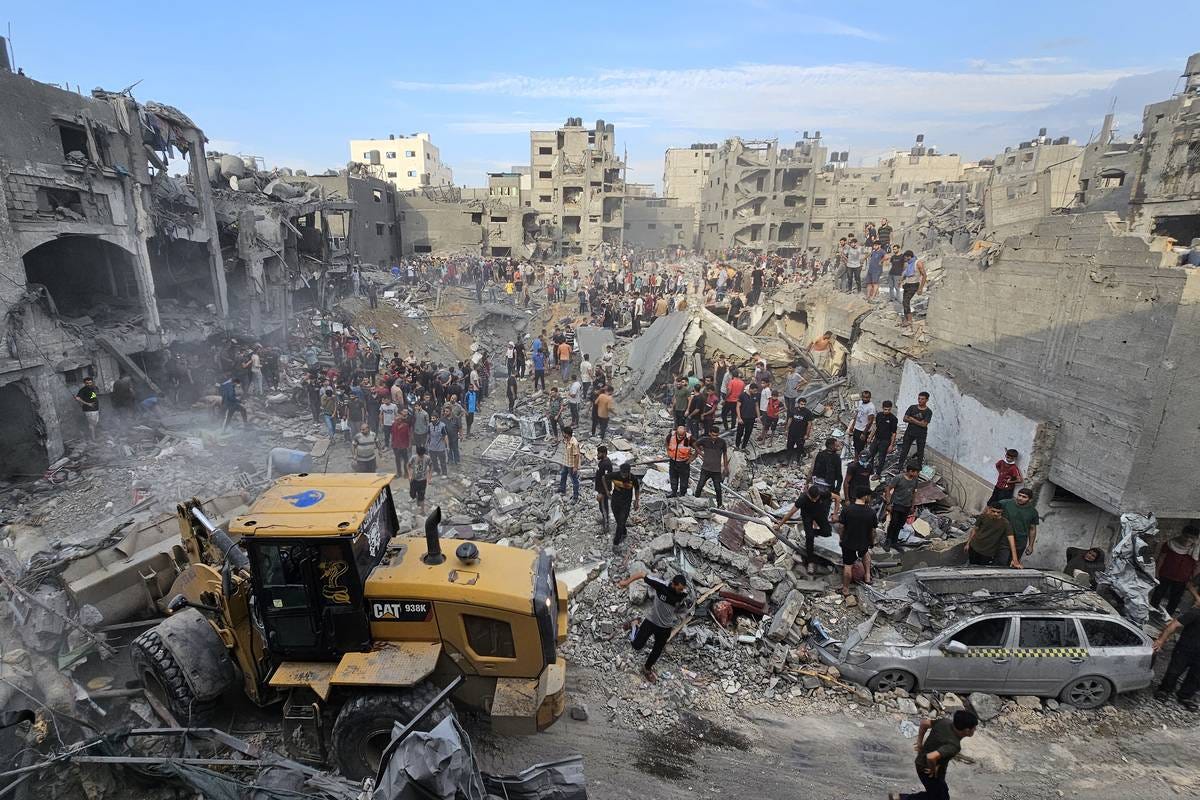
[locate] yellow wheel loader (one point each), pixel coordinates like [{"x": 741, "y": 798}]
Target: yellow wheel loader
[{"x": 313, "y": 600}]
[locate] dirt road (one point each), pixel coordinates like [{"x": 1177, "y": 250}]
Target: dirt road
[{"x": 839, "y": 757}]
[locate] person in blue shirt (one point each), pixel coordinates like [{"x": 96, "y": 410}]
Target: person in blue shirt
[
  {"x": 472, "y": 403},
  {"x": 230, "y": 401},
  {"x": 539, "y": 367}
]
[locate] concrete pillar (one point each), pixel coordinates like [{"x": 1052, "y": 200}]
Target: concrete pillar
[{"x": 203, "y": 191}]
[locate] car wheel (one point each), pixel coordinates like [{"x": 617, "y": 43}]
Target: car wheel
[
  {"x": 892, "y": 679},
  {"x": 1087, "y": 692}
]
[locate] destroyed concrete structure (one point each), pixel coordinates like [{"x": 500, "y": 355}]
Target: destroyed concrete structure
[
  {"x": 107, "y": 258},
  {"x": 659, "y": 222},
  {"x": 578, "y": 187},
  {"x": 370, "y": 234}
]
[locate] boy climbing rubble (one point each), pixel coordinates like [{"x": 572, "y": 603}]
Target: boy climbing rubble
[{"x": 667, "y": 600}]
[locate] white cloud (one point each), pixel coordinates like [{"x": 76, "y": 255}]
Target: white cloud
[
  {"x": 509, "y": 126},
  {"x": 779, "y": 96}
]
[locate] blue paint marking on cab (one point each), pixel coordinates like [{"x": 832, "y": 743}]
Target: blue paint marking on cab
[{"x": 305, "y": 499}]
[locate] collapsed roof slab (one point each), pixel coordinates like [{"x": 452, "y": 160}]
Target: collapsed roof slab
[
  {"x": 592, "y": 339},
  {"x": 649, "y": 352}
]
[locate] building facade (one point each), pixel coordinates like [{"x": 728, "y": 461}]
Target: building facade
[
  {"x": 577, "y": 188},
  {"x": 406, "y": 162},
  {"x": 659, "y": 222}
]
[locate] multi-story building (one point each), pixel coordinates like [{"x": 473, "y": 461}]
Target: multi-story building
[
  {"x": 369, "y": 235},
  {"x": 759, "y": 196},
  {"x": 578, "y": 188},
  {"x": 406, "y": 162},
  {"x": 685, "y": 173},
  {"x": 1028, "y": 182},
  {"x": 1166, "y": 194}
]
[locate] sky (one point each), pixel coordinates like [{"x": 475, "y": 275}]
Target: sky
[{"x": 293, "y": 83}]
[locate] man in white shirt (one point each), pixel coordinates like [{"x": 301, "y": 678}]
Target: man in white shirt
[
  {"x": 586, "y": 375},
  {"x": 574, "y": 393},
  {"x": 864, "y": 419}
]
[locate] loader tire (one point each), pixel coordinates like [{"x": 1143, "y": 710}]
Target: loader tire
[
  {"x": 363, "y": 728},
  {"x": 162, "y": 677}
]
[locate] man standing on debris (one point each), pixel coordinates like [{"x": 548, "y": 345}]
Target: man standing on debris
[
  {"x": 1023, "y": 516},
  {"x": 679, "y": 460},
  {"x": 89, "y": 401},
  {"x": 668, "y": 599},
  {"x": 912, "y": 283},
  {"x": 229, "y": 401},
  {"x": 938, "y": 742},
  {"x": 400, "y": 439},
  {"x": 827, "y": 466},
  {"x": 857, "y": 538},
  {"x": 883, "y": 437},
  {"x": 714, "y": 461},
  {"x": 1174, "y": 568},
  {"x": 572, "y": 460},
  {"x": 900, "y": 498},
  {"x": 539, "y": 369},
  {"x": 917, "y": 417},
  {"x": 600, "y": 482},
  {"x": 602, "y": 411},
  {"x": 799, "y": 418},
  {"x": 420, "y": 425},
  {"x": 564, "y": 360},
  {"x": 1008, "y": 475},
  {"x": 1185, "y": 661},
  {"x": 695, "y": 411},
  {"x": 387, "y": 418},
  {"x": 747, "y": 415},
  {"x": 858, "y": 478},
  {"x": 554, "y": 407},
  {"x": 574, "y": 397},
  {"x": 624, "y": 492},
  {"x": 864, "y": 419},
  {"x": 510, "y": 391},
  {"x": 439, "y": 443},
  {"x": 733, "y": 394},
  {"x": 814, "y": 506},
  {"x": 679, "y": 403},
  {"x": 418, "y": 477},
  {"x": 363, "y": 449},
  {"x": 986, "y": 541},
  {"x": 791, "y": 388}
]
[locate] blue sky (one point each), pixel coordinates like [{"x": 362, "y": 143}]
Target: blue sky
[{"x": 294, "y": 82}]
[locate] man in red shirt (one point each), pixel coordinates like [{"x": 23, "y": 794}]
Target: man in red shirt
[
  {"x": 1008, "y": 475},
  {"x": 1176, "y": 568},
  {"x": 732, "y": 395}
]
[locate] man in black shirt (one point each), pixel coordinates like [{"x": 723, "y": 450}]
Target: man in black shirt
[
  {"x": 1185, "y": 661},
  {"x": 895, "y": 271},
  {"x": 858, "y": 535},
  {"x": 918, "y": 418},
  {"x": 603, "y": 472},
  {"x": 797, "y": 430},
  {"x": 813, "y": 506},
  {"x": 883, "y": 437},
  {"x": 624, "y": 491},
  {"x": 747, "y": 414},
  {"x": 714, "y": 461},
  {"x": 858, "y": 478},
  {"x": 827, "y": 466},
  {"x": 938, "y": 743},
  {"x": 89, "y": 400}
]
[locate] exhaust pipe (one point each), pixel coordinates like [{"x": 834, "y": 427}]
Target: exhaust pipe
[{"x": 433, "y": 547}]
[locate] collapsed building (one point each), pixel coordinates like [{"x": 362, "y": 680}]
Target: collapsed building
[{"x": 120, "y": 237}]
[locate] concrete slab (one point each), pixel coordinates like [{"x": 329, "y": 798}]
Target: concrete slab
[
  {"x": 591, "y": 340},
  {"x": 649, "y": 352}
]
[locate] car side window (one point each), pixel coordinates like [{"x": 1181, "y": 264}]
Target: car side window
[
  {"x": 1105, "y": 633},
  {"x": 1048, "y": 632},
  {"x": 985, "y": 633}
]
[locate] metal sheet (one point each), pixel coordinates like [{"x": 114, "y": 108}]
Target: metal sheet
[
  {"x": 388, "y": 664},
  {"x": 316, "y": 675},
  {"x": 502, "y": 448}
]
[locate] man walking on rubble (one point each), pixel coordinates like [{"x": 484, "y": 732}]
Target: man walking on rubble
[
  {"x": 600, "y": 483},
  {"x": 714, "y": 461},
  {"x": 938, "y": 742},
  {"x": 668, "y": 600},
  {"x": 814, "y": 505},
  {"x": 1023, "y": 517},
  {"x": 883, "y": 437},
  {"x": 572, "y": 460},
  {"x": 624, "y": 492},
  {"x": 899, "y": 499},
  {"x": 679, "y": 460}
]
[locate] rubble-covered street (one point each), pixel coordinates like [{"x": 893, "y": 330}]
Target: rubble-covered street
[{"x": 794, "y": 478}]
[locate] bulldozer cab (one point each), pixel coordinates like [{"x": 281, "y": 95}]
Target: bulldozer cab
[{"x": 310, "y": 551}]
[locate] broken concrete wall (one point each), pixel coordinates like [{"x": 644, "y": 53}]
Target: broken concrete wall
[
  {"x": 1073, "y": 325},
  {"x": 968, "y": 434},
  {"x": 658, "y": 222},
  {"x": 430, "y": 226},
  {"x": 373, "y": 237}
]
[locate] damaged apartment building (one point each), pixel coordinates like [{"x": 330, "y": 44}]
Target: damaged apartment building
[
  {"x": 1071, "y": 337},
  {"x": 760, "y": 197},
  {"x": 120, "y": 237}
]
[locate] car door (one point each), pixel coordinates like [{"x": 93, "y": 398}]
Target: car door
[
  {"x": 984, "y": 666},
  {"x": 1048, "y": 653},
  {"x": 1119, "y": 652}
]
